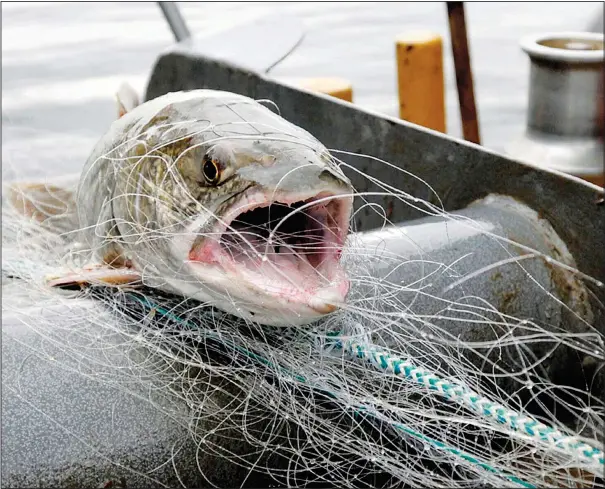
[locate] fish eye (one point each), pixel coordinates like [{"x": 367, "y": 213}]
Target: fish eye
[{"x": 211, "y": 171}]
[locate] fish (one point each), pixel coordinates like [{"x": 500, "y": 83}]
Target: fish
[{"x": 214, "y": 196}]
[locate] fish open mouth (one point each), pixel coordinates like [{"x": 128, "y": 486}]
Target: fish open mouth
[{"x": 289, "y": 246}]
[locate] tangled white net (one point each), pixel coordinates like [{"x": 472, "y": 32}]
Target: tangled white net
[{"x": 376, "y": 394}]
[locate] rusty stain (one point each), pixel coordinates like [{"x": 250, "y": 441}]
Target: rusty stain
[
  {"x": 568, "y": 287},
  {"x": 497, "y": 276},
  {"x": 507, "y": 301},
  {"x": 113, "y": 484},
  {"x": 570, "y": 290},
  {"x": 390, "y": 208},
  {"x": 507, "y": 298}
]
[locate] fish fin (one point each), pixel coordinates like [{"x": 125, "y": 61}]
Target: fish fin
[
  {"x": 127, "y": 99},
  {"x": 94, "y": 275},
  {"x": 49, "y": 204}
]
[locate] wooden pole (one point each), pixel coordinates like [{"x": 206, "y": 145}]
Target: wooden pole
[
  {"x": 464, "y": 75},
  {"x": 420, "y": 79}
]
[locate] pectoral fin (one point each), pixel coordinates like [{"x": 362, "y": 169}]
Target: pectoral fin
[{"x": 94, "y": 275}]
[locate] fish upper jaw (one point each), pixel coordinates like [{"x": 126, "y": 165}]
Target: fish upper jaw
[{"x": 275, "y": 256}]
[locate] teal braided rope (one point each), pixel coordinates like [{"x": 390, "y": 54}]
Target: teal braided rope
[
  {"x": 536, "y": 430},
  {"x": 359, "y": 409}
]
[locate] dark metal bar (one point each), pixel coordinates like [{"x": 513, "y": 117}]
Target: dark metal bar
[
  {"x": 175, "y": 20},
  {"x": 464, "y": 75}
]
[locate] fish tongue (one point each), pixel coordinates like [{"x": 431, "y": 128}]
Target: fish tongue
[{"x": 280, "y": 264}]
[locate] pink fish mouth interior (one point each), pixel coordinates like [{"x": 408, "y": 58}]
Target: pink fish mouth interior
[{"x": 286, "y": 246}]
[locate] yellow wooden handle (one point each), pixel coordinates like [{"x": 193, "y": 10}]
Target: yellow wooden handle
[
  {"x": 420, "y": 79},
  {"x": 336, "y": 87}
]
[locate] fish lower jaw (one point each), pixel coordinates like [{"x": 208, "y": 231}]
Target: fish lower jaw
[
  {"x": 286, "y": 312},
  {"x": 255, "y": 297}
]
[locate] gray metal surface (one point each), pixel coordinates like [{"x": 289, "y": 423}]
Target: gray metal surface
[
  {"x": 565, "y": 84},
  {"x": 442, "y": 258},
  {"x": 470, "y": 243}
]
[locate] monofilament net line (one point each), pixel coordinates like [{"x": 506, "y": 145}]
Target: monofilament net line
[
  {"x": 391, "y": 364},
  {"x": 439, "y": 420}
]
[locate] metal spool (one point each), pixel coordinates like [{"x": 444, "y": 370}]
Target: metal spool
[{"x": 565, "y": 109}]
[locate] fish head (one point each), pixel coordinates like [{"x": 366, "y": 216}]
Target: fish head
[
  {"x": 267, "y": 236},
  {"x": 264, "y": 221}
]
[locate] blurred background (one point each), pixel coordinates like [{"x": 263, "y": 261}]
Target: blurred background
[{"x": 63, "y": 62}]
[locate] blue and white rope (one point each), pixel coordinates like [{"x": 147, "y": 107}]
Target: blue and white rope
[
  {"x": 399, "y": 367},
  {"x": 591, "y": 456}
]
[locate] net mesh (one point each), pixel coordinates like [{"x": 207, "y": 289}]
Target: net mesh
[{"x": 376, "y": 394}]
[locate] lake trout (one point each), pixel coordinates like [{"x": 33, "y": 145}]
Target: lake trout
[{"x": 213, "y": 196}]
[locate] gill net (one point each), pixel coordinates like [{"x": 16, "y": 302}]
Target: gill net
[{"x": 375, "y": 395}]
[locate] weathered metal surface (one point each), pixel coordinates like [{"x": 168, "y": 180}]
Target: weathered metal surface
[
  {"x": 470, "y": 241},
  {"x": 464, "y": 73},
  {"x": 458, "y": 172},
  {"x": 565, "y": 79},
  {"x": 443, "y": 258}
]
